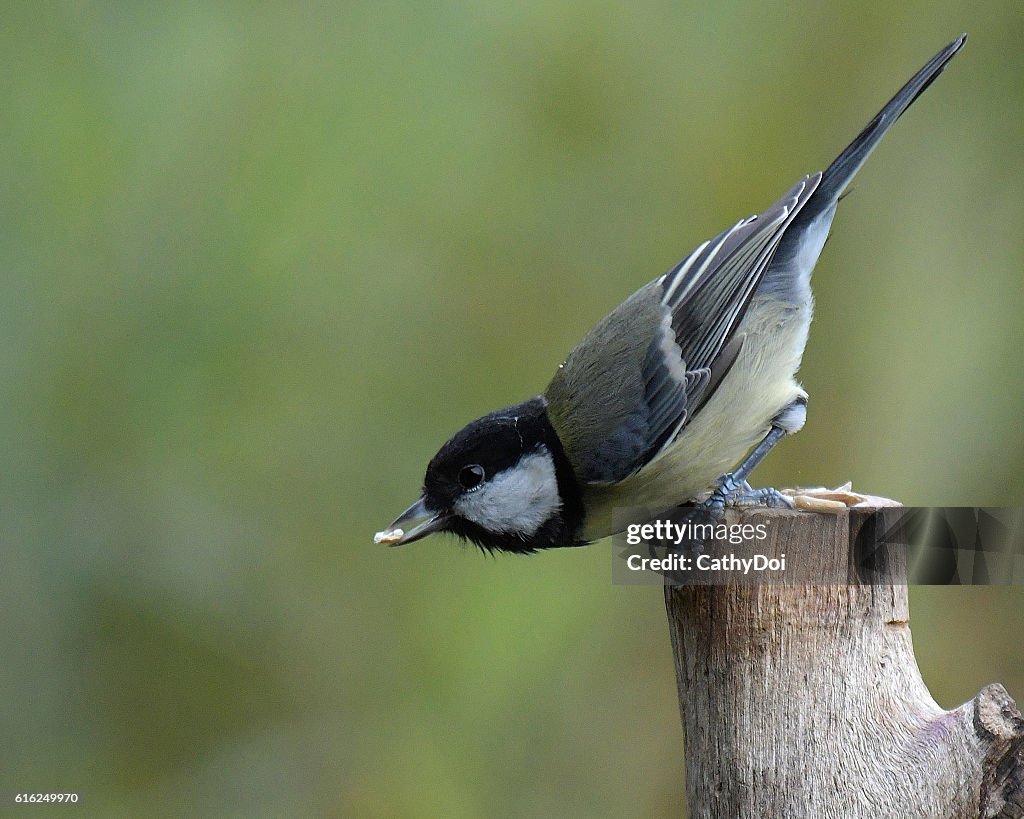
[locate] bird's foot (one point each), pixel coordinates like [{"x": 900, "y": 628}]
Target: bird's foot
[{"x": 739, "y": 494}]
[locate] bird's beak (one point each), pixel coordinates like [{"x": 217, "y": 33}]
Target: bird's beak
[{"x": 397, "y": 534}]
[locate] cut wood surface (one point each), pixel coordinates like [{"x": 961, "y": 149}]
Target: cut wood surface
[{"x": 806, "y": 700}]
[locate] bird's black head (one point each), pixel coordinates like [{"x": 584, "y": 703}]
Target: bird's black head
[{"x": 502, "y": 482}]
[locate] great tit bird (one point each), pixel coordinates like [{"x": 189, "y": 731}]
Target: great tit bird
[{"x": 692, "y": 374}]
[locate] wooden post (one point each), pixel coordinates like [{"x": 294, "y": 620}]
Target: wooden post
[{"x": 806, "y": 700}]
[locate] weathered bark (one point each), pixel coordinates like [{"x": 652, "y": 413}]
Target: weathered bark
[{"x": 806, "y": 700}]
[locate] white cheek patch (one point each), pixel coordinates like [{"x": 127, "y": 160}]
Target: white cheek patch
[{"x": 517, "y": 500}]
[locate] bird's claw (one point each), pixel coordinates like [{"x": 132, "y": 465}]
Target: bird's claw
[{"x": 739, "y": 494}]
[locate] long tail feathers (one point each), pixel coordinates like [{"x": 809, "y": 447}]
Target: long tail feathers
[{"x": 839, "y": 173}]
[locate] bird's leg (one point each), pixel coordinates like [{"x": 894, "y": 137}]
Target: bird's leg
[{"x": 733, "y": 489}]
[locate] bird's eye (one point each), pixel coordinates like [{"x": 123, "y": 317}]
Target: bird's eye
[{"x": 471, "y": 476}]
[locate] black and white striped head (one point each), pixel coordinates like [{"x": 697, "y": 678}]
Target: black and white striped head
[{"x": 502, "y": 482}]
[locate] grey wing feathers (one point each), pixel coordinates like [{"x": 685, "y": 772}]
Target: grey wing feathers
[
  {"x": 692, "y": 315},
  {"x": 705, "y": 297},
  {"x": 628, "y": 390}
]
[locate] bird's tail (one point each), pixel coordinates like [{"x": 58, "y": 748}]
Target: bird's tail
[{"x": 838, "y": 175}]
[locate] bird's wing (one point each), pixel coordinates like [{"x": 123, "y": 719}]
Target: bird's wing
[{"x": 630, "y": 387}]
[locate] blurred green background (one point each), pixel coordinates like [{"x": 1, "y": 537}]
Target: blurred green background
[{"x": 260, "y": 260}]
